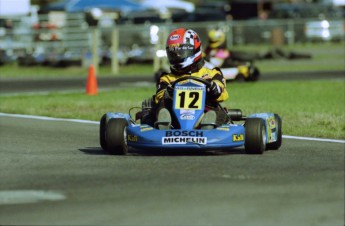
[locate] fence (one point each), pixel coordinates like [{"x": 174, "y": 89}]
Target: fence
[{"x": 140, "y": 42}]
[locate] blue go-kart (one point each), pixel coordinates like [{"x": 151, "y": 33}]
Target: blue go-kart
[{"x": 257, "y": 132}]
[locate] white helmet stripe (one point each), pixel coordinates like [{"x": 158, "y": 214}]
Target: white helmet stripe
[{"x": 190, "y": 60}]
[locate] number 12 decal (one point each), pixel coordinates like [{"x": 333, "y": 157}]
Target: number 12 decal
[{"x": 190, "y": 100}]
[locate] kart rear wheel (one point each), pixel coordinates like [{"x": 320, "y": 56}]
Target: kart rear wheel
[
  {"x": 276, "y": 145},
  {"x": 102, "y": 126},
  {"x": 240, "y": 78},
  {"x": 255, "y": 136},
  {"x": 254, "y": 74},
  {"x": 116, "y": 136}
]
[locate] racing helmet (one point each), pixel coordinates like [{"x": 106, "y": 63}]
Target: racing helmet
[
  {"x": 184, "y": 50},
  {"x": 216, "y": 38}
]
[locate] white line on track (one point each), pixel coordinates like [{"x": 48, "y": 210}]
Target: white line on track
[
  {"x": 314, "y": 139},
  {"x": 94, "y": 122},
  {"x": 48, "y": 118},
  {"x": 28, "y": 196}
]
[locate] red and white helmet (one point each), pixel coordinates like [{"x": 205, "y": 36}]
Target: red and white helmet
[{"x": 183, "y": 49}]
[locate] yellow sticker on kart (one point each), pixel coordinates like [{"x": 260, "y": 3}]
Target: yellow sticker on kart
[
  {"x": 237, "y": 137},
  {"x": 188, "y": 98},
  {"x": 270, "y": 122}
]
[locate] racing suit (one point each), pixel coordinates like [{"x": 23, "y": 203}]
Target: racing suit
[
  {"x": 163, "y": 97},
  {"x": 217, "y": 57}
]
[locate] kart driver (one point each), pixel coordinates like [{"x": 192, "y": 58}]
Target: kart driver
[
  {"x": 232, "y": 63},
  {"x": 184, "y": 53},
  {"x": 216, "y": 52}
]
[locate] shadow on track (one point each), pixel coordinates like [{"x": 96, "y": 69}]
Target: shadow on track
[
  {"x": 182, "y": 152},
  {"x": 93, "y": 151}
]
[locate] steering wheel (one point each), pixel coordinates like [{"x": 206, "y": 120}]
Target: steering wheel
[{"x": 205, "y": 82}]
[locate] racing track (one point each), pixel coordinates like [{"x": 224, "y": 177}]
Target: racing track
[
  {"x": 59, "y": 165},
  {"x": 54, "y": 173}
]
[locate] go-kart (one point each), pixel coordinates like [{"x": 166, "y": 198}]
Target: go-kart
[
  {"x": 257, "y": 132},
  {"x": 242, "y": 71}
]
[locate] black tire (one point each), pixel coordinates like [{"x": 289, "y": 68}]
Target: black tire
[
  {"x": 255, "y": 136},
  {"x": 235, "y": 114},
  {"x": 116, "y": 136},
  {"x": 102, "y": 126},
  {"x": 276, "y": 145},
  {"x": 240, "y": 78},
  {"x": 254, "y": 74}
]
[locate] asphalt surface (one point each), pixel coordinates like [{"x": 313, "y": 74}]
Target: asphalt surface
[{"x": 54, "y": 173}]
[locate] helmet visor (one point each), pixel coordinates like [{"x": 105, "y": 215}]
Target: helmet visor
[{"x": 177, "y": 54}]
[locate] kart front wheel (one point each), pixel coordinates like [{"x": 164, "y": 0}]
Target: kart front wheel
[
  {"x": 116, "y": 136},
  {"x": 255, "y": 136},
  {"x": 276, "y": 145}
]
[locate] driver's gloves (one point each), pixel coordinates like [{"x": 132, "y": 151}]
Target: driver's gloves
[
  {"x": 214, "y": 90},
  {"x": 169, "y": 92}
]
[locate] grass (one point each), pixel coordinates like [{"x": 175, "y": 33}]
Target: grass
[
  {"x": 325, "y": 57},
  {"x": 308, "y": 108},
  {"x": 37, "y": 72}
]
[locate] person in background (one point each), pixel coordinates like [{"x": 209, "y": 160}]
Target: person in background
[
  {"x": 234, "y": 64},
  {"x": 216, "y": 52}
]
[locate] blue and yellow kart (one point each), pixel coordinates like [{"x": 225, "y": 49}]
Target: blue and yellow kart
[{"x": 257, "y": 132}]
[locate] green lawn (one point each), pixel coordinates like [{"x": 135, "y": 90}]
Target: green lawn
[
  {"x": 308, "y": 108},
  {"x": 325, "y": 57}
]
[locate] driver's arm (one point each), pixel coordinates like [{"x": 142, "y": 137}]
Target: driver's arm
[
  {"x": 219, "y": 84},
  {"x": 164, "y": 82}
]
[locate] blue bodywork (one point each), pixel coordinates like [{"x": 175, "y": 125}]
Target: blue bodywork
[
  {"x": 188, "y": 107},
  {"x": 143, "y": 136}
]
